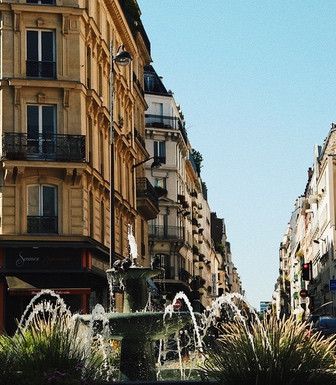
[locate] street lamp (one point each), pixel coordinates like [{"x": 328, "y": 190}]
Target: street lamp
[
  {"x": 122, "y": 58},
  {"x": 156, "y": 162}
]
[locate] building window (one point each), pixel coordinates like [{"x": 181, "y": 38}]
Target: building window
[
  {"x": 160, "y": 182},
  {"x": 91, "y": 208},
  {"x": 160, "y": 151},
  {"x": 101, "y": 152},
  {"x": 100, "y": 81},
  {"x": 102, "y": 224},
  {"x": 44, "y": 2},
  {"x": 41, "y": 129},
  {"x": 149, "y": 82},
  {"x": 88, "y": 67},
  {"x": 42, "y": 209},
  {"x": 157, "y": 109},
  {"x": 41, "y": 54},
  {"x": 143, "y": 246},
  {"x": 90, "y": 139}
]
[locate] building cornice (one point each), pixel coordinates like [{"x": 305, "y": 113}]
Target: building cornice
[{"x": 121, "y": 24}]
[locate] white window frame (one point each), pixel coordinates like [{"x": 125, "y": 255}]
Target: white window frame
[
  {"x": 40, "y": 186},
  {"x": 39, "y": 42},
  {"x": 40, "y": 115}
]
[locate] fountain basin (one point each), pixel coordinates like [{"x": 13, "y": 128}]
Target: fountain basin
[
  {"x": 137, "y": 332},
  {"x": 138, "y": 273},
  {"x": 149, "y": 325}
]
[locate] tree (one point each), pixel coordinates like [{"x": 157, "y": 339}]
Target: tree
[{"x": 198, "y": 159}]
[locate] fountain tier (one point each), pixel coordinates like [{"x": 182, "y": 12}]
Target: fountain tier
[{"x": 137, "y": 329}]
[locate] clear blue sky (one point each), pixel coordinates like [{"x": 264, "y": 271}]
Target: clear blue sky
[{"x": 257, "y": 84}]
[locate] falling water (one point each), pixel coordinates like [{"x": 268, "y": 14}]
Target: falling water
[
  {"x": 59, "y": 308},
  {"x": 132, "y": 245},
  {"x": 98, "y": 334},
  {"x": 170, "y": 310}
]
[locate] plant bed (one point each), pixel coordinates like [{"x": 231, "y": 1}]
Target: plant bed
[{"x": 272, "y": 352}]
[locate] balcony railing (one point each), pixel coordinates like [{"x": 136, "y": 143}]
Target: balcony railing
[
  {"x": 43, "y": 2},
  {"x": 42, "y": 225},
  {"x": 138, "y": 83},
  {"x": 139, "y": 137},
  {"x": 145, "y": 190},
  {"x": 60, "y": 148},
  {"x": 184, "y": 275},
  {"x": 41, "y": 69},
  {"x": 166, "y": 232},
  {"x": 162, "y": 121}
]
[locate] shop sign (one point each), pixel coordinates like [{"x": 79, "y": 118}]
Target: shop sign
[{"x": 42, "y": 258}]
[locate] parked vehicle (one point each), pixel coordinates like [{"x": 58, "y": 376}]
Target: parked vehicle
[{"x": 326, "y": 325}]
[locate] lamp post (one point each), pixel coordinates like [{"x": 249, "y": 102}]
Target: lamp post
[{"x": 122, "y": 58}]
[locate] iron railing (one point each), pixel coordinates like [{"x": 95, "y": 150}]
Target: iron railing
[
  {"x": 166, "y": 232},
  {"x": 41, "y": 69},
  {"x": 138, "y": 83},
  {"x": 139, "y": 137},
  {"x": 145, "y": 189},
  {"x": 44, "y": 2},
  {"x": 42, "y": 224},
  {"x": 163, "y": 121},
  {"x": 57, "y": 147}
]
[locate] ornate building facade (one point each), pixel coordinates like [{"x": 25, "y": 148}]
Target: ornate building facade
[{"x": 55, "y": 150}]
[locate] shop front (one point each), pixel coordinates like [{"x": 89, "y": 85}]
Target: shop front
[{"x": 76, "y": 272}]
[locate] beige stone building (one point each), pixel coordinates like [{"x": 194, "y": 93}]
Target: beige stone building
[
  {"x": 55, "y": 119},
  {"x": 180, "y": 237},
  {"x": 307, "y": 253}
]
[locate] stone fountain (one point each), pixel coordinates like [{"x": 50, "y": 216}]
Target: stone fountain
[{"x": 136, "y": 328}]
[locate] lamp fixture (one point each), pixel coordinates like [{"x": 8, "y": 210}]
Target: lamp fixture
[
  {"x": 156, "y": 162},
  {"x": 122, "y": 58}
]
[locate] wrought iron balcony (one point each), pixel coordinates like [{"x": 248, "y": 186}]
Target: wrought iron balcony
[
  {"x": 139, "y": 137},
  {"x": 184, "y": 275},
  {"x": 166, "y": 232},
  {"x": 138, "y": 84},
  {"x": 147, "y": 199},
  {"x": 57, "y": 147},
  {"x": 41, "y": 69},
  {"x": 44, "y": 2},
  {"x": 163, "y": 121},
  {"x": 42, "y": 225}
]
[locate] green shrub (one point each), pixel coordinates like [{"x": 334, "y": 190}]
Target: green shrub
[
  {"x": 272, "y": 352},
  {"x": 49, "y": 353}
]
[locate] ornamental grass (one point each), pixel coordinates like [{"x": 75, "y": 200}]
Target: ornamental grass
[
  {"x": 271, "y": 352},
  {"x": 49, "y": 353}
]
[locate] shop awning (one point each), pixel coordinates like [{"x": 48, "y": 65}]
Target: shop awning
[
  {"x": 17, "y": 286},
  {"x": 15, "y": 283}
]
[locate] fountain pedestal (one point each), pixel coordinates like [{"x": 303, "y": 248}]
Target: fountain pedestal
[{"x": 137, "y": 360}]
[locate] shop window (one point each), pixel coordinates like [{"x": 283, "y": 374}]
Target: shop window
[
  {"x": 41, "y": 54},
  {"x": 42, "y": 209}
]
